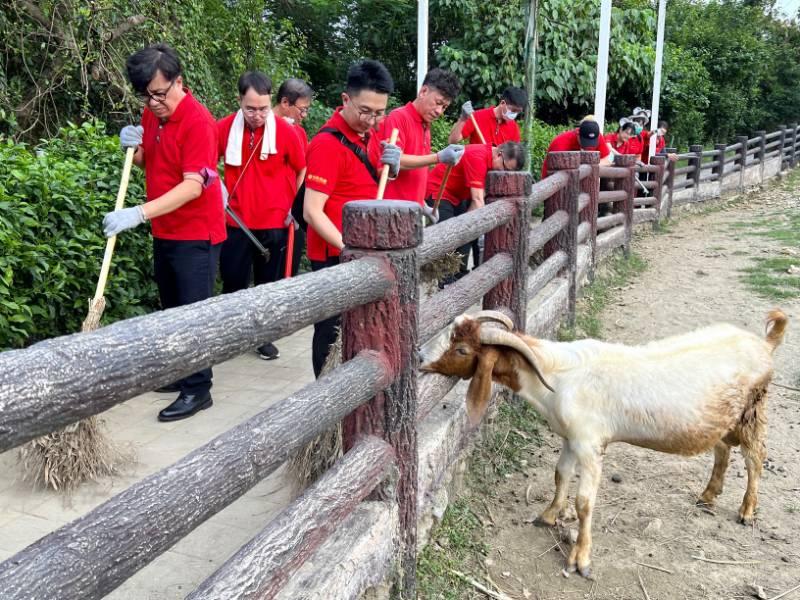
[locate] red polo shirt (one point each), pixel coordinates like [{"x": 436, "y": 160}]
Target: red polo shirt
[
  {"x": 302, "y": 135},
  {"x": 470, "y": 172},
  {"x": 660, "y": 144},
  {"x": 264, "y": 195},
  {"x": 414, "y": 138},
  {"x": 632, "y": 146},
  {"x": 569, "y": 142},
  {"x": 336, "y": 171},
  {"x": 495, "y": 132},
  {"x": 185, "y": 143}
]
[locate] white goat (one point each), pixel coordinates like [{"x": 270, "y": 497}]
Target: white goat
[{"x": 684, "y": 395}]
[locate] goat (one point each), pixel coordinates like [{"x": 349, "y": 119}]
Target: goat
[{"x": 683, "y": 395}]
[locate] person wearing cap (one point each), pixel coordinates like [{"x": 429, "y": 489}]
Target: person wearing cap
[
  {"x": 339, "y": 170},
  {"x": 413, "y": 122},
  {"x": 264, "y": 161},
  {"x": 497, "y": 123},
  {"x": 176, "y": 145},
  {"x": 464, "y": 188},
  {"x": 586, "y": 136}
]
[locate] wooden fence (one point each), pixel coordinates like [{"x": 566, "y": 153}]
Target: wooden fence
[{"x": 377, "y": 393}]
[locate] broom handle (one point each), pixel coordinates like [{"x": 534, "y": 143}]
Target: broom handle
[
  {"x": 477, "y": 129},
  {"x": 123, "y": 188},
  {"x": 440, "y": 193},
  {"x": 385, "y": 172},
  {"x": 287, "y": 273}
]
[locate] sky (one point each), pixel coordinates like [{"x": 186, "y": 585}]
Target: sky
[{"x": 789, "y": 7}]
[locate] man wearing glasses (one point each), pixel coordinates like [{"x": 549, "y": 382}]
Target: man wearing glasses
[
  {"x": 339, "y": 171},
  {"x": 264, "y": 165},
  {"x": 176, "y": 145},
  {"x": 464, "y": 189}
]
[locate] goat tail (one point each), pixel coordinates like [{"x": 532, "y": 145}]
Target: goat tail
[{"x": 776, "y": 326}]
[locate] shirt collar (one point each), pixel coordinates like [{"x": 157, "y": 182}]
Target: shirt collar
[
  {"x": 338, "y": 121},
  {"x": 183, "y": 106},
  {"x": 412, "y": 110}
]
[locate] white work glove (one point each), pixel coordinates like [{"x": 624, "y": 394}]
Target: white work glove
[
  {"x": 224, "y": 191},
  {"x": 125, "y": 218},
  {"x": 428, "y": 211},
  {"x": 466, "y": 110},
  {"x": 391, "y": 156},
  {"x": 451, "y": 154},
  {"x": 131, "y": 136},
  {"x": 290, "y": 220}
]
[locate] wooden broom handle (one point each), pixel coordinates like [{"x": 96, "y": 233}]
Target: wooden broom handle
[
  {"x": 123, "y": 188},
  {"x": 477, "y": 129},
  {"x": 385, "y": 171},
  {"x": 440, "y": 193}
]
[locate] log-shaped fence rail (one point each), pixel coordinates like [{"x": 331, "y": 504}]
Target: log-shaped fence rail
[{"x": 376, "y": 393}]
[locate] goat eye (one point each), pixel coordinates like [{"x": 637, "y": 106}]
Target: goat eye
[{"x": 462, "y": 351}]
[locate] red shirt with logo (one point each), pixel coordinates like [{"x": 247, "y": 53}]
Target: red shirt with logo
[
  {"x": 186, "y": 142},
  {"x": 496, "y": 132},
  {"x": 414, "y": 138},
  {"x": 569, "y": 141},
  {"x": 470, "y": 172},
  {"x": 335, "y": 170},
  {"x": 262, "y": 193}
]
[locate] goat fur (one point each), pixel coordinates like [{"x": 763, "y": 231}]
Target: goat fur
[{"x": 684, "y": 394}]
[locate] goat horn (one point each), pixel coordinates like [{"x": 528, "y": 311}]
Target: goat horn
[
  {"x": 496, "y": 337},
  {"x": 496, "y": 316}
]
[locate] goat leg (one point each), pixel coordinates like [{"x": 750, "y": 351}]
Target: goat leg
[
  {"x": 589, "y": 468},
  {"x": 563, "y": 474},
  {"x": 722, "y": 456}
]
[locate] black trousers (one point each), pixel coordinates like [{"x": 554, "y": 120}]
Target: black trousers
[
  {"x": 448, "y": 211},
  {"x": 240, "y": 262},
  {"x": 185, "y": 272},
  {"x": 325, "y": 330}
]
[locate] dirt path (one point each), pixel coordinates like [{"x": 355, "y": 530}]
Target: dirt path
[{"x": 693, "y": 279}]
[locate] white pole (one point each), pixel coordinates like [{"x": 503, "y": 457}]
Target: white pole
[
  {"x": 422, "y": 41},
  {"x": 602, "y": 63},
  {"x": 662, "y": 13}
]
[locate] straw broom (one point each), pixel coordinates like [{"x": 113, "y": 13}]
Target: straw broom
[{"x": 81, "y": 451}]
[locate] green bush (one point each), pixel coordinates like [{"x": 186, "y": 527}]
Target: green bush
[
  {"x": 541, "y": 136},
  {"x": 52, "y": 201}
]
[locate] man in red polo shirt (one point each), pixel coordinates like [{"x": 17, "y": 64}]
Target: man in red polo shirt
[
  {"x": 497, "y": 123},
  {"x": 294, "y": 100},
  {"x": 176, "y": 145},
  {"x": 585, "y": 137},
  {"x": 413, "y": 121},
  {"x": 264, "y": 166},
  {"x": 339, "y": 171},
  {"x": 464, "y": 189}
]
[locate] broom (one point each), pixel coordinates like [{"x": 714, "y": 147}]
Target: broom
[{"x": 81, "y": 451}]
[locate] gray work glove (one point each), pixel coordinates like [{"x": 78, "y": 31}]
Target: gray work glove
[
  {"x": 290, "y": 220},
  {"x": 119, "y": 220},
  {"x": 391, "y": 156},
  {"x": 451, "y": 154},
  {"x": 224, "y": 191},
  {"x": 131, "y": 136},
  {"x": 428, "y": 211},
  {"x": 466, "y": 110}
]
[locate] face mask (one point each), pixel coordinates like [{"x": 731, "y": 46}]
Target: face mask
[
  {"x": 511, "y": 116},
  {"x": 638, "y": 129}
]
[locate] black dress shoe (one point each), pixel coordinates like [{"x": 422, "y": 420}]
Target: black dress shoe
[
  {"x": 185, "y": 406},
  {"x": 170, "y": 388}
]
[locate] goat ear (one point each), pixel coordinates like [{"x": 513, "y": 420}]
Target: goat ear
[{"x": 480, "y": 388}]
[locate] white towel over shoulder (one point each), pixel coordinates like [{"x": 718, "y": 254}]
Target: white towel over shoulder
[{"x": 233, "y": 153}]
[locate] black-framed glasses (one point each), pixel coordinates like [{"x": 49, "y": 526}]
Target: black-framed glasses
[
  {"x": 159, "y": 97},
  {"x": 365, "y": 114},
  {"x": 303, "y": 110}
]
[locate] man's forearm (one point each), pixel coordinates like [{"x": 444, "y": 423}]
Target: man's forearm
[
  {"x": 184, "y": 192},
  {"x": 455, "y": 133},
  {"x": 412, "y": 161}
]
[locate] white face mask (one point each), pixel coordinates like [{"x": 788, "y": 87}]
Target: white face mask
[
  {"x": 662, "y": 132},
  {"x": 289, "y": 120},
  {"x": 511, "y": 116}
]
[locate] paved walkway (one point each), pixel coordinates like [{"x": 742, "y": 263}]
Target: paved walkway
[{"x": 243, "y": 387}]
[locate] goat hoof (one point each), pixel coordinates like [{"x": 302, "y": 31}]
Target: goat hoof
[
  {"x": 586, "y": 572},
  {"x": 700, "y": 503},
  {"x": 540, "y": 522},
  {"x": 571, "y": 568},
  {"x": 745, "y": 520}
]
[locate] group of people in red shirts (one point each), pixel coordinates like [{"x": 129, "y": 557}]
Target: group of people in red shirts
[{"x": 270, "y": 168}]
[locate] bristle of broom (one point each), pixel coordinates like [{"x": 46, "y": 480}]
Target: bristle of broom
[
  {"x": 310, "y": 462},
  {"x": 80, "y": 452},
  {"x": 435, "y": 271}
]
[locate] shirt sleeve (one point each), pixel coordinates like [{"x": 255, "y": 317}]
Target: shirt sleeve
[
  {"x": 322, "y": 165},
  {"x": 603, "y": 147},
  {"x": 222, "y": 137},
  {"x": 295, "y": 155},
  {"x": 199, "y": 146},
  {"x": 475, "y": 170},
  {"x": 515, "y": 135}
]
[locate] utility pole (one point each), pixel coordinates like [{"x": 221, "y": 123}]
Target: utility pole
[
  {"x": 422, "y": 41},
  {"x": 662, "y": 17},
  {"x": 602, "y": 63},
  {"x": 531, "y": 53}
]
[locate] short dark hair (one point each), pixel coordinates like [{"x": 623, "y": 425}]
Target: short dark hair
[
  {"x": 515, "y": 96},
  {"x": 143, "y": 65},
  {"x": 293, "y": 89},
  {"x": 663, "y": 125},
  {"x": 630, "y": 126},
  {"x": 443, "y": 81},
  {"x": 369, "y": 75},
  {"x": 514, "y": 151},
  {"x": 256, "y": 80}
]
